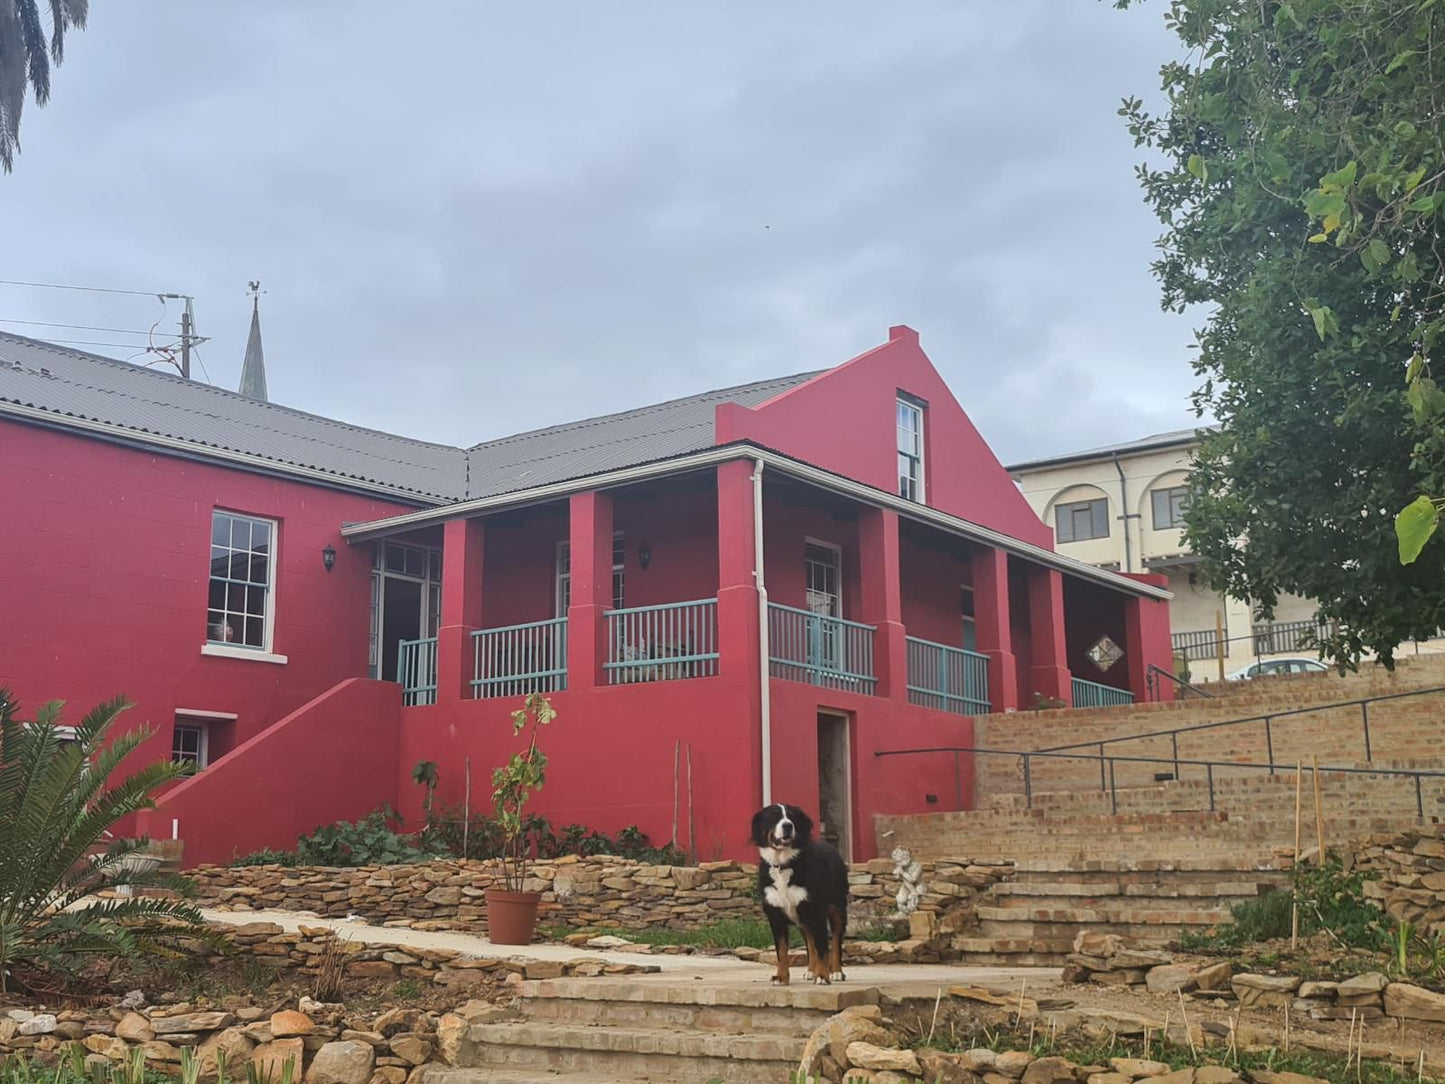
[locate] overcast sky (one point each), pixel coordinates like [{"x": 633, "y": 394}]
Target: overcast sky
[{"x": 472, "y": 219}]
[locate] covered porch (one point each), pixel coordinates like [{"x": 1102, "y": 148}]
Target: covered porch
[{"x": 656, "y": 582}]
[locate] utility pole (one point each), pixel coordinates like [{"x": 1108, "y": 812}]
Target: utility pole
[{"x": 188, "y": 328}]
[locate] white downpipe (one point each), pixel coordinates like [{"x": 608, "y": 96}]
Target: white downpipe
[{"x": 766, "y": 725}]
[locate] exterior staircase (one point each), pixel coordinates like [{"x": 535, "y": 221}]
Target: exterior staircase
[
  {"x": 1149, "y": 857},
  {"x": 596, "y": 1030},
  {"x": 1032, "y": 920}
]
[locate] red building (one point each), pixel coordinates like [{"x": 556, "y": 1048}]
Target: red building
[{"x": 770, "y": 583}]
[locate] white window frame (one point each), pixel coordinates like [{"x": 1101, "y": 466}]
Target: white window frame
[
  {"x": 227, "y": 649},
  {"x": 917, "y": 478},
  {"x": 203, "y": 743},
  {"x": 562, "y": 584},
  {"x": 837, "y": 552}
]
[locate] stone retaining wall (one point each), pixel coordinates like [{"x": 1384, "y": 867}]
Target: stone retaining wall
[
  {"x": 1410, "y": 872},
  {"x": 601, "y": 891}
]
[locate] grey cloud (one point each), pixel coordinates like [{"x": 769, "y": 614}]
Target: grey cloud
[{"x": 489, "y": 218}]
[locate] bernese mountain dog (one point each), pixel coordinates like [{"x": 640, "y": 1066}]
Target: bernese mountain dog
[{"x": 802, "y": 881}]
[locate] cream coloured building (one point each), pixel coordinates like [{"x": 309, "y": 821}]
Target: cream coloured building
[{"x": 1121, "y": 508}]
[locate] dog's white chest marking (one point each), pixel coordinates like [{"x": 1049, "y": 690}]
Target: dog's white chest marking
[{"x": 783, "y": 894}]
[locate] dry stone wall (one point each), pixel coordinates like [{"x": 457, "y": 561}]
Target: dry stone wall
[{"x": 601, "y": 891}]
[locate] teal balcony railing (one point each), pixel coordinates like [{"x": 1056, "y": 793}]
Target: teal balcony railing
[
  {"x": 416, "y": 669},
  {"x": 662, "y": 643},
  {"x": 519, "y": 660},
  {"x": 1090, "y": 694},
  {"x": 820, "y": 650},
  {"x": 947, "y": 678}
]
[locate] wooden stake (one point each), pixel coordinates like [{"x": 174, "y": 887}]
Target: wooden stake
[
  {"x": 1020, "y": 1014},
  {"x": 1319, "y": 812},
  {"x": 1299, "y": 776},
  {"x": 1188, "y": 1035},
  {"x": 691, "y": 818},
  {"x": 1219, "y": 644},
  {"x": 1286, "y": 1029},
  {"x": 467, "y": 808}
]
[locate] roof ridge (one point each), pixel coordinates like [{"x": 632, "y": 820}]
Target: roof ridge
[
  {"x": 599, "y": 419},
  {"x": 218, "y": 390}
]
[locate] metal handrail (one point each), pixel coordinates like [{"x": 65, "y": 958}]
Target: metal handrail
[
  {"x": 1267, "y": 719},
  {"x": 1418, "y": 774},
  {"x": 1154, "y": 669}
]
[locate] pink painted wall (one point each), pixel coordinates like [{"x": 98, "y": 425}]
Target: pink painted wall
[
  {"x": 788, "y": 526},
  {"x": 1089, "y": 613},
  {"x": 610, "y": 757},
  {"x": 332, "y": 759},
  {"x": 844, "y": 421},
  {"x": 932, "y": 585},
  {"x": 880, "y": 784},
  {"x": 104, "y": 567},
  {"x": 679, "y": 525}
]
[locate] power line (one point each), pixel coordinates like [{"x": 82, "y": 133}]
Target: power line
[
  {"x": 89, "y": 289},
  {"x": 94, "y": 343},
  {"x": 72, "y": 327}
]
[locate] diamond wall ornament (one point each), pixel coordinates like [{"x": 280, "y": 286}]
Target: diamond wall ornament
[{"x": 1105, "y": 653}]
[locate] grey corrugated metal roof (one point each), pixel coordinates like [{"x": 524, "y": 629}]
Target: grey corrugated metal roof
[
  {"x": 147, "y": 403},
  {"x": 1175, "y": 438},
  {"x": 610, "y": 442}
]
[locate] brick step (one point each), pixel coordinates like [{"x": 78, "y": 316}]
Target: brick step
[
  {"x": 1134, "y": 934},
  {"x": 664, "y": 1053},
  {"x": 1014, "y": 951},
  {"x": 1132, "y": 870},
  {"x": 1103, "y": 915},
  {"x": 1137, "y": 895}
]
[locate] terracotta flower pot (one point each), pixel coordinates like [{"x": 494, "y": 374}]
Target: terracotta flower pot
[{"x": 511, "y": 916}]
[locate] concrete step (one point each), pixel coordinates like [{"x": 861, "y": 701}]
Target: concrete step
[
  {"x": 665, "y": 1053},
  {"x": 662, "y": 990},
  {"x": 443, "y": 1075},
  {"x": 725, "y": 1018}
]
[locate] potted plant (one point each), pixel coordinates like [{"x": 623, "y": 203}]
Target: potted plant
[{"x": 512, "y": 912}]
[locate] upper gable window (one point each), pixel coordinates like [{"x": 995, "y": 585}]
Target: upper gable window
[{"x": 910, "y": 449}]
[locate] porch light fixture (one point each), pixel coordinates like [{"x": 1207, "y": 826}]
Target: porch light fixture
[
  {"x": 328, "y": 556},
  {"x": 644, "y": 556}
]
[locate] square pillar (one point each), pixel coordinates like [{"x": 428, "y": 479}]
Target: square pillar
[
  {"x": 991, "y": 626},
  {"x": 463, "y": 550},
  {"x": 590, "y": 545},
  {"x": 1050, "y": 658},
  {"x": 1147, "y": 641},
  {"x": 882, "y": 598},
  {"x": 737, "y": 610}
]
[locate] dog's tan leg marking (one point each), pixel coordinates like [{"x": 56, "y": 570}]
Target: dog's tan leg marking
[
  {"x": 780, "y": 977},
  {"x": 817, "y": 966},
  {"x": 835, "y": 947}
]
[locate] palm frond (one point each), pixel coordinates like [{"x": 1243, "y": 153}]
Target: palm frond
[{"x": 58, "y": 800}]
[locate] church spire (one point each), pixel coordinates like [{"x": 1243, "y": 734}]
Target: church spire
[{"x": 253, "y": 369}]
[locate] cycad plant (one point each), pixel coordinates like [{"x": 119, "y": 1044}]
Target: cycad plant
[{"x": 57, "y": 803}]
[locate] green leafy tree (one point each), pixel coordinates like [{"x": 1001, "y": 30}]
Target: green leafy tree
[
  {"x": 26, "y": 57},
  {"x": 58, "y": 802},
  {"x": 514, "y": 783},
  {"x": 1297, "y": 169}
]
